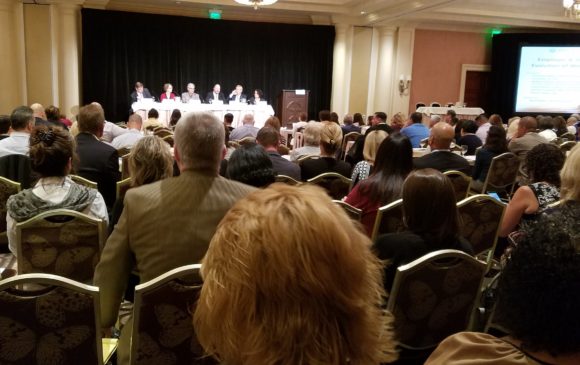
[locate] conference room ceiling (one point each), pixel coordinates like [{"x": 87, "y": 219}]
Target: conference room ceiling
[{"x": 467, "y": 15}]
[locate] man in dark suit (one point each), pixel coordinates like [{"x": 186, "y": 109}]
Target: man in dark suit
[
  {"x": 215, "y": 95},
  {"x": 379, "y": 122},
  {"x": 441, "y": 158},
  {"x": 140, "y": 93},
  {"x": 97, "y": 161},
  {"x": 269, "y": 139},
  {"x": 237, "y": 95}
]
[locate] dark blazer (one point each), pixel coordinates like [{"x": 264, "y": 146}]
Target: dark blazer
[
  {"x": 243, "y": 98},
  {"x": 471, "y": 141},
  {"x": 146, "y": 94},
  {"x": 209, "y": 97},
  {"x": 284, "y": 167},
  {"x": 98, "y": 162},
  {"x": 443, "y": 161}
]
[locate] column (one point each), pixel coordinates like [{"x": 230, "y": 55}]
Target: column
[
  {"x": 381, "y": 85},
  {"x": 403, "y": 66},
  {"x": 12, "y": 70},
  {"x": 341, "y": 69},
  {"x": 66, "y": 27}
]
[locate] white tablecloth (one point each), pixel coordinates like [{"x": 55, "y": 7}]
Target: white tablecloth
[
  {"x": 443, "y": 110},
  {"x": 261, "y": 112}
]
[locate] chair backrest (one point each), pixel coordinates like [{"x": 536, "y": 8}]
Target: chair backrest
[
  {"x": 567, "y": 146},
  {"x": 502, "y": 173},
  {"x": 419, "y": 105},
  {"x": 162, "y": 132},
  {"x": 62, "y": 242},
  {"x": 434, "y": 297},
  {"x": 82, "y": 181},
  {"x": 350, "y": 136},
  {"x": 389, "y": 219},
  {"x": 162, "y": 318},
  {"x": 125, "y": 166},
  {"x": 568, "y": 137},
  {"x": 461, "y": 183},
  {"x": 122, "y": 187},
  {"x": 47, "y": 319},
  {"x": 336, "y": 185},
  {"x": 287, "y": 180},
  {"x": 303, "y": 158},
  {"x": 7, "y": 188},
  {"x": 247, "y": 140},
  {"x": 298, "y": 139},
  {"x": 17, "y": 168},
  {"x": 424, "y": 142},
  {"x": 169, "y": 139},
  {"x": 123, "y": 151},
  {"x": 435, "y": 104},
  {"x": 481, "y": 217},
  {"x": 353, "y": 212}
]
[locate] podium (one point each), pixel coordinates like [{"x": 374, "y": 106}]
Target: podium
[{"x": 290, "y": 104}]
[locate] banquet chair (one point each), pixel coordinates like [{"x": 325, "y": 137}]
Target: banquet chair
[
  {"x": 354, "y": 213},
  {"x": 61, "y": 242},
  {"x": 17, "y": 168},
  {"x": 298, "y": 140},
  {"x": 247, "y": 140},
  {"x": 162, "y": 132},
  {"x": 122, "y": 187},
  {"x": 568, "y": 137},
  {"x": 389, "y": 219},
  {"x": 481, "y": 217},
  {"x": 420, "y": 105},
  {"x": 123, "y": 151},
  {"x": 287, "y": 180},
  {"x": 169, "y": 139},
  {"x": 433, "y": 297},
  {"x": 502, "y": 175},
  {"x": 7, "y": 188},
  {"x": 125, "y": 166},
  {"x": 336, "y": 185},
  {"x": 48, "y": 319},
  {"x": 424, "y": 142},
  {"x": 461, "y": 183},
  {"x": 162, "y": 327},
  {"x": 82, "y": 181},
  {"x": 301, "y": 159},
  {"x": 435, "y": 104},
  {"x": 351, "y": 136},
  {"x": 567, "y": 146}
]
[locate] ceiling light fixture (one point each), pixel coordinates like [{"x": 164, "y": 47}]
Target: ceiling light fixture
[
  {"x": 256, "y": 3},
  {"x": 572, "y": 8}
]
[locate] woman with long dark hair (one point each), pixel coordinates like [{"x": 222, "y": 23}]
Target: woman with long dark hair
[
  {"x": 394, "y": 161},
  {"x": 495, "y": 145}
]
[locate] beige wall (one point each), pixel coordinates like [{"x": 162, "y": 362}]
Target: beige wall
[
  {"x": 361, "y": 58},
  {"x": 437, "y": 60},
  {"x": 38, "y": 54},
  {"x": 12, "y": 92}
]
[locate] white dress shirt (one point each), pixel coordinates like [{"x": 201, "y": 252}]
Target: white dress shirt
[
  {"x": 128, "y": 139},
  {"x": 112, "y": 131},
  {"x": 17, "y": 144}
]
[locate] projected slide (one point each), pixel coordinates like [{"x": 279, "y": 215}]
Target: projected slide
[{"x": 549, "y": 80}]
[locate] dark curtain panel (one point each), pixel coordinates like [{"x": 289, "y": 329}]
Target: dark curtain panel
[
  {"x": 120, "y": 48},
  {"x": 505, "y": 63}
]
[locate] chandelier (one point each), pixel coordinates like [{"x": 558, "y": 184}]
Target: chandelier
[
  {"x": 257, "y": 3},
  {"x": 572, "y": 8}
]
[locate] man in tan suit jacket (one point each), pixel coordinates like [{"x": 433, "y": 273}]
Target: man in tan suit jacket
[
  {"x": 169, "y": 223},
  {"x": 524, "y": 140}
]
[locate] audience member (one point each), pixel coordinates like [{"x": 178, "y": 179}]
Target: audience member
[
  {"x": 349, "y": 126},
  {"x": 311, "y": 135},
  {"x": 560, "y": 125},
  {"x": 301, "y": 124},
  {"x": 538, "y": 295},
  {"x": 167, "y": 92},
  {"x": 53, "y": 117},
  {"x": 379, "y": 121},
  {"x": 4, "y": 126},
  {"x": 358, "y": 120},
  {"x": 397, "y": 122},
  {"x": 299, "y": 286},
  {"x": 51, "y": 156},
  {"x": 251, "y": 165},
  {"x": 468, "y": 137},
  {"x": 147, "y": 238},
  {"x": 330, "y": 141},
  {"x": 127, "y": 140},
  {"x": 483, "y": 126},
  {"x": 495, "y": 119},
  {"x": 175, "y": 116},
  {"x": 22, "y": 122},
  {"x": 39, "y": 115},
  {"x": 190, "y": 95},
  {"x": 97, "y": 161},
  {"x": 431, "y": 219},
  {"x": 434, "y": 119},
  {"x": 513, "y": 125},
  {"x": 363, "y": 169},
  {"x": 441, "y": 158},
  {"x": 324, "y": 116},
  {"x": 334, "y": 118},
  {"x": 495, "y": 145},
  {"x": 416, "y": 131},
  {"x": 451, "y": 119},
  {"x": 247, "y": 129},
  {"x": 523, "y": 141},
  {"x": 150, "y": 160},
  {"x": 571, "y": 125},
  {"x": 546, "y": 128},
  {"x": 269, "y": 139},
  {"x": 544, "y": 163},
  {"x": 393, "y": 163},
  {"x": 152, "y": 121}
]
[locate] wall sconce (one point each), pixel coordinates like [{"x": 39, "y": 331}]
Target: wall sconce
[{"x": 404, "y": 83}]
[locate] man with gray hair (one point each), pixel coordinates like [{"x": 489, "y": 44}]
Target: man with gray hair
[
  {"x": 190, "y": 94},
  {"x": 348, "y": 126},
  {"x": 22, "y": 121},
  {"x": 247, "y": 129},
  {"x": 169, "y": 223}
]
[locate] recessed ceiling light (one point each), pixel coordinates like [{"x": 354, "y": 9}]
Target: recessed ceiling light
[{"x": 363, "y": 12}]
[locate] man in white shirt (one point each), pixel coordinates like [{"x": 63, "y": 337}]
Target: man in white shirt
[
  {"x": 133, "y": 134},
  {"x": 237, "y": 95},
  {"x": 483, "y": 127},
  {"x": 22, "y": 121}
]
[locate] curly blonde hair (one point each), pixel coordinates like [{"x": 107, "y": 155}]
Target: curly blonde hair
[
  {"x": 150, "y": 161},
  {"x": 289, "y": 279},
  {"x": 570, "y": 176}
]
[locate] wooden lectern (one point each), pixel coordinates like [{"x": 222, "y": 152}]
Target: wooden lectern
[{"x": 290, "y": 104}]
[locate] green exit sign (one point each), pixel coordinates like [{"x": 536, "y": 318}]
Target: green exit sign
[{"x": 215, "y": 14}]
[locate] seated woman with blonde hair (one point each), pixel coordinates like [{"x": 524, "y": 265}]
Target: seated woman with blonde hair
[
  {"x": 289, "y": 279},
  {"x": 330, "y": 142},
  {"x": 363, "y": 169},
  {"x": 51, "y": 153}
]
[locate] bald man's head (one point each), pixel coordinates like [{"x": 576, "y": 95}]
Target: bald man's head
[
  {"x": 442, "y": 135},
  {"x": 38, "y": 111}
]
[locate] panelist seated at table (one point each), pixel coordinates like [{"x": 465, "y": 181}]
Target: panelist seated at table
[
  {"x": 257, "y": 98},
  {"x": 237, "y": 95},
  {"x": 190, "y": 95},
  {"x": 215, "y": 96},
  {"x": 167, "y": 92},
  {"x": 140, "y": 93}
]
